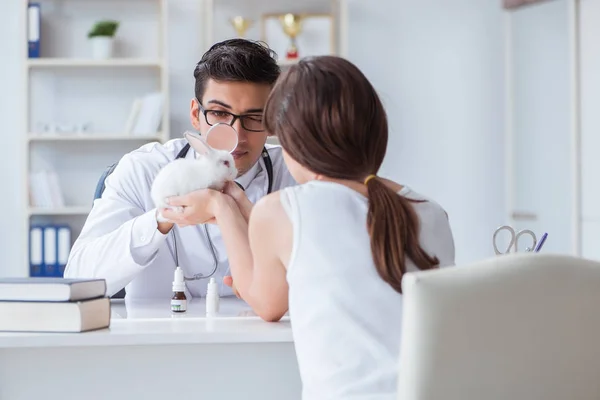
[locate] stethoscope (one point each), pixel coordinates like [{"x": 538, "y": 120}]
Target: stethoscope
[{"x": 269, "y": 169}]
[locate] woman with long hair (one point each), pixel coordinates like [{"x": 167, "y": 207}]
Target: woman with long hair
[{"x": 333, "y": 249}]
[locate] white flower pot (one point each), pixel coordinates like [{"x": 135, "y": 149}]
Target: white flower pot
[{"x": 102, "y": 47}]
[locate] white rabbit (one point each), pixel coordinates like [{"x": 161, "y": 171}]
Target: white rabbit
[{"x": 212, "y": 169}]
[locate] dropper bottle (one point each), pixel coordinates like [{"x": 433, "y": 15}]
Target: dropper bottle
[
  {"x": 179, "y": 299},
  {"x": 212, "y": 298}
]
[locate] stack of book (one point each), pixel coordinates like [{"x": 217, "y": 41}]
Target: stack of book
[{"x": 53, "y": 305}]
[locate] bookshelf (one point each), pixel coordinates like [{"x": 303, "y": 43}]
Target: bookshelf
[
  {"x": 33, "y": 137},
  {"x": 82, "y": 62},
  {"x": 80, "y": 110},
  {"x": 72, "y": 210},
  {"x": 311, "y": 41}
]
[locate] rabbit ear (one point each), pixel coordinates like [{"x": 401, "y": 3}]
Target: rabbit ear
[{"x": 197, "y": 142}]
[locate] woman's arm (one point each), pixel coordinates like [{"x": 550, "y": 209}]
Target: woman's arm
[
  {"x": 239, "y": 195},
  {"x": 255, "y": 249}
]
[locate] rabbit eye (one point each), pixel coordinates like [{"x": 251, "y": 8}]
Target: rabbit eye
[{"x": 226, "y": 163}]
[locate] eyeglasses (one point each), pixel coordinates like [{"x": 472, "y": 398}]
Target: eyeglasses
[{"x": 250, "y": 122}]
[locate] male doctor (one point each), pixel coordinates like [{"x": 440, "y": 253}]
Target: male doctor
[{"x": 122, "y": 241}]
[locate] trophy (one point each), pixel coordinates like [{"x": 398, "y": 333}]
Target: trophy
[
  {"x": 241, "y": 25},
  {"x": 292, "y": 26}
]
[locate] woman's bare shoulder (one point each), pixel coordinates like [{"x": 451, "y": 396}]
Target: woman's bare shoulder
[{"x": 268, "y": 208}]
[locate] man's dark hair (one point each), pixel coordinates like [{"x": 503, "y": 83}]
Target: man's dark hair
[{"x": 236, "y": 60}]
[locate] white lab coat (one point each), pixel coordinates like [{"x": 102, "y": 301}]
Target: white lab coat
[{"x": 120, "y": 241}]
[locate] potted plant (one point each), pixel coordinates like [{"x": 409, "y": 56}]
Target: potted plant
[{"x": 102, "y": 37}]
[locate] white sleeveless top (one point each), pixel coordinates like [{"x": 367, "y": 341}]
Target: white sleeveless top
[{"x": 346, "y": 321}]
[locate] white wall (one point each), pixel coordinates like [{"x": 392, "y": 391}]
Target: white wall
[
  {"x": 590, "y": 126},
  {"x": 438, "y": 67},
  {"x": 12, "y": 201},
  {"x": 542, "y": 175}
]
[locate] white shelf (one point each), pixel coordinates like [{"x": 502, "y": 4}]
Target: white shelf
[
  {"x": 285, "y": 62},
  {"x": 76, "y": 62},
  {"x": 40, "y": 137},
  {"x": 70, "y": 210}
]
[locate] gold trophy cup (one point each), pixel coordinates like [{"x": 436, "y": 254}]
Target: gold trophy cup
[
  {"x": 241, "y": 25},
  {"x": 292, "y": 26}
]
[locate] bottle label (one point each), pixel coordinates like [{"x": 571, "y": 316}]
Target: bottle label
[{"x": 178, "y": 305}]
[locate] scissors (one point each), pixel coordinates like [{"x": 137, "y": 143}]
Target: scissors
[{"x": 514, "y": 239}]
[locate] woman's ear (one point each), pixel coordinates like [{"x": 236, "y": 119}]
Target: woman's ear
[
  {"x": 195, "y": 114},
  {"x": 197, "y": 142}
]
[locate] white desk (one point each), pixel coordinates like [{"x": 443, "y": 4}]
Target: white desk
[{"x": 149, "y": 353}]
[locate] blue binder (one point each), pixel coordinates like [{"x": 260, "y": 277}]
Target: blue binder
[
  {"x": 50, "y": 251},
  {"x": 49, "y": 248},
  {"x": 63, "y": 247},
  {"x": 36, "y": 251},
  {"x": 34, "y": 29}
]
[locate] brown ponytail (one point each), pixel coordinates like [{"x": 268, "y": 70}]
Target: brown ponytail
[
  {"x": 394, "y": 230},
  {"x": 329, "y": 118}
]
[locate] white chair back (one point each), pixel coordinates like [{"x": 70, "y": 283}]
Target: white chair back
[{"x": 514, "y": 327}]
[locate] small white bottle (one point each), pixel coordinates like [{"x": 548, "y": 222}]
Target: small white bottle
[
  {"x": 212, "y": 298},
  {"x": 179, "y": 299}
]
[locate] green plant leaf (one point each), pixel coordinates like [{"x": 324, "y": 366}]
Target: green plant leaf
[{"x": 104, "y": 28}]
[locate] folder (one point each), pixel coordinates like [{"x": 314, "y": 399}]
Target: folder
[
  {"x": 36, "y": 251},
  {"x": 33, "y": 29},
  {"x": 63, "y": 248},
  {"x": 50, "y": 249}
]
